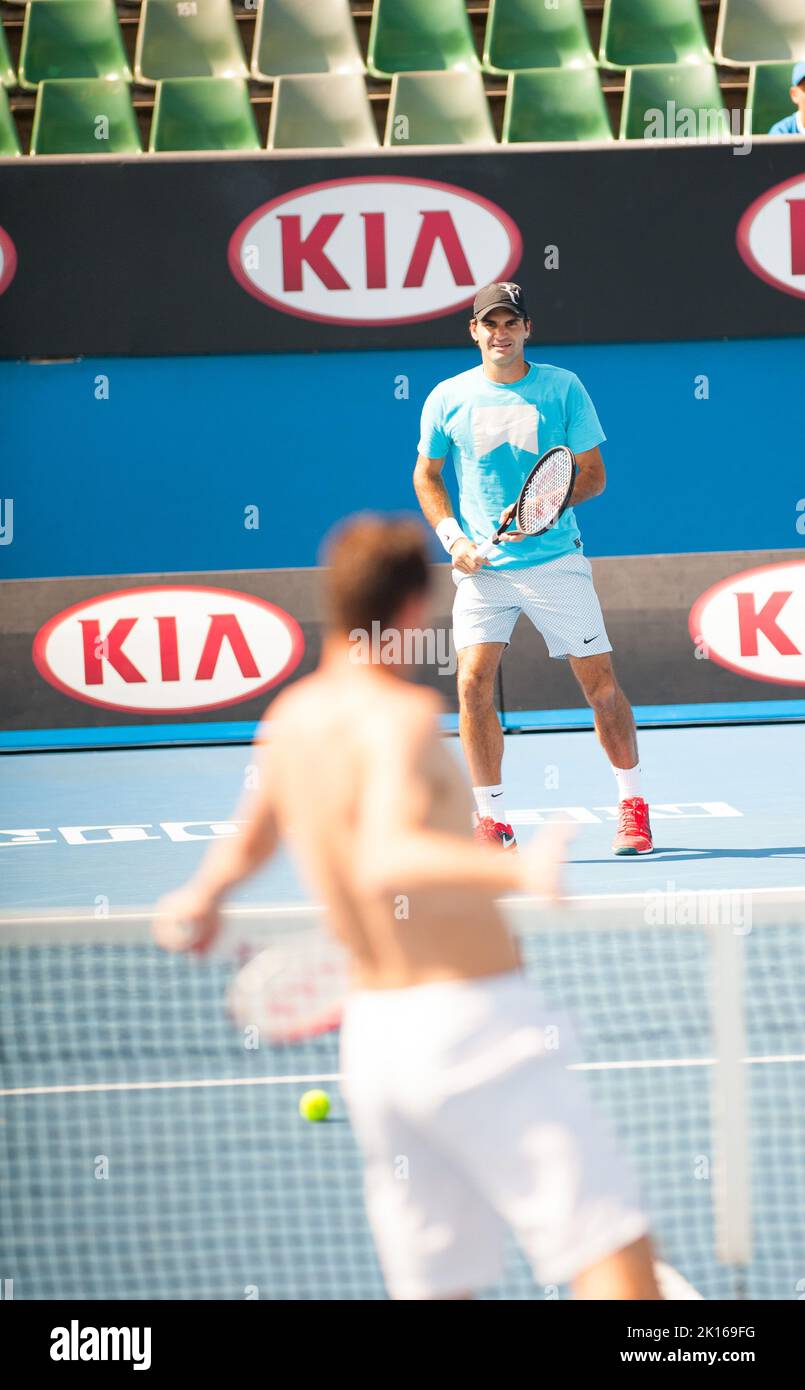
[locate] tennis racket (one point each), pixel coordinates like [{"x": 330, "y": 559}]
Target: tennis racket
[
  {"x": 291, "y": 975},
  {"x": 293, "y": 989},
  {"x": 545, "y": 494}
]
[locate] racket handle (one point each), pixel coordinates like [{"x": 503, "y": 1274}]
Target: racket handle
[{"x": 486, "y": 547}]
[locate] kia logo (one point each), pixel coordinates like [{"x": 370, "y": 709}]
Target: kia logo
[
  {"x": 771, "y": 236},
  {"x": 168, "y": 649},
  {"x": 8, "y": 260},
  {"x": 754, "y": 623},
  {"x": 373, "y": 250}
]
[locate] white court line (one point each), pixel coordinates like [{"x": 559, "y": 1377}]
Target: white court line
[
  {"x": 798, "y": 890},
  {"x": 681, "y": 1062},
  {"x": 203, "y": 1083},
  {"x": 146, "y": 913},
  {"x": 307, "y": 909}
]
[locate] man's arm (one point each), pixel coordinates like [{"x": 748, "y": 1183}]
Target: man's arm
[
  {"x": 189, "y": 919},
  {"x": 232, "y": 860},
  {"x": 591, "y": 478},
  {"x": 434, "y": 446},
  {"x": 431, "y": 490},
  {"x": 434, "y": 499}
]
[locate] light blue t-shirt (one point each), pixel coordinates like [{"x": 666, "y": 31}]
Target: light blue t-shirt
[
  {"x": 789, "y": 125},
  {"x": 494, "y": 434}
]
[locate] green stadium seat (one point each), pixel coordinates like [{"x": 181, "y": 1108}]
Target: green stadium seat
[
  {"x": 84, "y": 116},
  {"x": 187, "y": 38},
  {"x": 419, "y": 36},
  {"x": 760, "y": 31},
  {"x": 203, "y": 113},
  {"x": 691, "y": 87},
  {"x": 321, "y": 111},
  {"x": 636, "y": 32},
  {"x": 8, "y": 77},
  {"x": 767, "y": 98},
  {"x": 9, "y": 140},
  {"x": 555, "y": 104},
  {"x": 438, "y": 108},
  {"x": 526, "y": 34},
  {"x": 299, "y": 36},
  {"x": 71, "y": 38}
]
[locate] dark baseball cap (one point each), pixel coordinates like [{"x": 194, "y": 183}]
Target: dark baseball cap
[{"x": 500, "y": 295}]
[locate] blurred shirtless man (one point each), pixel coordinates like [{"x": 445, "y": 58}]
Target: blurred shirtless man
[{"x": 443, "y": 1046}]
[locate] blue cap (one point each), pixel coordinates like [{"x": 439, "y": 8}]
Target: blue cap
[{"x": 798, "y": 75}]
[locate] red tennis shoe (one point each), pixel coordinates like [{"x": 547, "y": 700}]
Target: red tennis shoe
[
  {"x": 492, "y": 832},
  {"x": 633, "y": 835}
]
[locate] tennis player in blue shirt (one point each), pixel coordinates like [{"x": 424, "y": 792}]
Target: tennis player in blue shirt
[
  {"x": 795, "y": 123},
  {"x": 494, "y": 421}
]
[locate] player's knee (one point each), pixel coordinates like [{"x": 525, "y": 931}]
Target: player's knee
[
  {"x": 602, "y": 695},
  {"x": 475, "y": 689}
]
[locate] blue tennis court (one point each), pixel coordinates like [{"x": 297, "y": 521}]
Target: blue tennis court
[{"x": 149, "y": 1154}]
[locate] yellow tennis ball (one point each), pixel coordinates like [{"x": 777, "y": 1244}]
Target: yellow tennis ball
[{"x": 314, "y": 1105}]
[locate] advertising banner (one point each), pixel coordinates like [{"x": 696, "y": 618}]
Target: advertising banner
[
  {"x": 203, "y": 648},
  {"x": 290, "y": 254}
]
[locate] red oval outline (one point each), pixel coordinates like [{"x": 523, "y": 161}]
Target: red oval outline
[
  {"x": 9, "y": 260},
  {"x": 236, "y": 241},
  {"x": 694, "y": 619},
  {"x": 744, "y": 228},
  {"x": 41, "y": 639}
]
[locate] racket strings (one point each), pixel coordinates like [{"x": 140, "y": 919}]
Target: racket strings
[
  {"x": 545, "y": 495},
  {"x": 293, "y": 989}
]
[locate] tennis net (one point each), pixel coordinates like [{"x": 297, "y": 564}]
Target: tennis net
[{"x": 149, "y": 1152}]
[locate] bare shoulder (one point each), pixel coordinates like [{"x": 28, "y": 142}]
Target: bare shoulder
[
  {"x": 291, "y": 707},
  {"x": 364, "y": 715}
]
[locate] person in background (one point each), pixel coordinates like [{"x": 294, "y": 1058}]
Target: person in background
[
  {"x": 493, "y": 422},
  {"x": 795, "y": 123}
]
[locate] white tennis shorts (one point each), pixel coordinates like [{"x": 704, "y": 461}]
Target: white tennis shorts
[
  {"x": 469, "y": 1124},
  {"x": 559, "y": 598}
]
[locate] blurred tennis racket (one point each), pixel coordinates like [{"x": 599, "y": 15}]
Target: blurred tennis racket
[
  {"x": 544, "y": 496},
  {"x": 292, "y": 974},
  {"x": 293, "y": 989}
]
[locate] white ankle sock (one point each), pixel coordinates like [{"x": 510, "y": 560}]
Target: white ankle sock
[
  {"x": 489, "y": 801},
  {"x": 629, "y": 780}
]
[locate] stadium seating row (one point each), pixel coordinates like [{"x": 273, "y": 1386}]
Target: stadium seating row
[
  {"x": 332, "y": 110},
  {"x": 200, "y": 38}
]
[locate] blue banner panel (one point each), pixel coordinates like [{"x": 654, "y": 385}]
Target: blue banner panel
[{"x": 235, "y": 463}]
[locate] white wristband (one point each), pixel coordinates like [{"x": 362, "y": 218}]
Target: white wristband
[{"x": 449, "y": 532}]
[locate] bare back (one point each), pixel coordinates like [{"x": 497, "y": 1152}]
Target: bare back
[{"x": 360, "y": 771}]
